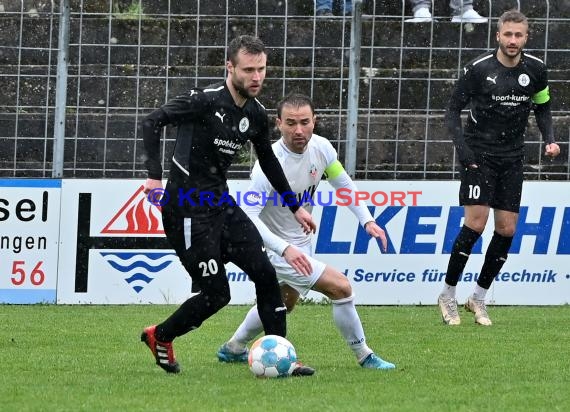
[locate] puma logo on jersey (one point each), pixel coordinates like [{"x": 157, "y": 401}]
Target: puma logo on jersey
[
  {"x": 221, "y": 116},
  {"x": 492, "y": 79}
]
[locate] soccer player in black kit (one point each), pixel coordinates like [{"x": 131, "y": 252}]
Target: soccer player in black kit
[
  {"x": 500, "y": 88},
  {"x": 202, "y": 222}
]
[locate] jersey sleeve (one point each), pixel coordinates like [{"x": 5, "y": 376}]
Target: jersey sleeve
[
  {"x": 343, "y": 181},
  {"x": 542, "y": 111},
  {"x": 542, "y": 94},
  {"x": 259, "y": 190},
  {"x": 339, "y": 179},
  {"x": 186, "y": 107},
  {"x": 334, "y": 167},
  {"x": 151, "y": 131},
  {"x": 175, "y": 111},
  {"x": 272, "y": 168},
  {"x": 461, "y": 96}
]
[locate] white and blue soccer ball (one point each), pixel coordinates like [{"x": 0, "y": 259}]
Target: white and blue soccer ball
[{"x": 272, "y": 356}]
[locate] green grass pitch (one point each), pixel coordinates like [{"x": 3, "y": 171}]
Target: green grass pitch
[{"x": 90, "y": 358}]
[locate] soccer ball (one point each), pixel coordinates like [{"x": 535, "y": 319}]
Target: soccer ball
[{"x": 272, "y": 356}]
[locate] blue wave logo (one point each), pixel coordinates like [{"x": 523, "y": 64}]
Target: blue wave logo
[{"x": 139, "y": 268}]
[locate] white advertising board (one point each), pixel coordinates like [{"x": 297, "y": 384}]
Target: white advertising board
[
  {"x": 421, "y": 229},
  {"x": 113, "y": 249},
  {"x": 29, "y": 226}
]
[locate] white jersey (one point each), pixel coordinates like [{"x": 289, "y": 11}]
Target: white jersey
[{"x": 304, "y": 172}]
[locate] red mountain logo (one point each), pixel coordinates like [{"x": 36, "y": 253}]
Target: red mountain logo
[{"x": 137, "y": 217}]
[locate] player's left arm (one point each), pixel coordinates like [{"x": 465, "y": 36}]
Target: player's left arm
[
  {"x": 338, "y": 178},
  {"x": 543, "y": 115}
]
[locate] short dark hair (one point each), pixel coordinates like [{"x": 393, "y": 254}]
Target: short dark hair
[
  {"x": 251, "y": 44},
  {"x": 296, "y": 100},
  {"x": 513, "y": 16}
]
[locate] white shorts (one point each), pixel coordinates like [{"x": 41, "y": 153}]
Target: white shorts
[{"x": 289, "y": 276}]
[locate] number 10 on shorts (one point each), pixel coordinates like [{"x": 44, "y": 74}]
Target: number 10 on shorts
[{"x": 474, "y": 191}]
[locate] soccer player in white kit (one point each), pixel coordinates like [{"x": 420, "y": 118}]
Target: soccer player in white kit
[{"x": 305, "y": 158}]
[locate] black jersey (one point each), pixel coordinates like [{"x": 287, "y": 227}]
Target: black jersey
[
  {"x": 499, "y": 100},
  {"x": 211, "y": 130}
]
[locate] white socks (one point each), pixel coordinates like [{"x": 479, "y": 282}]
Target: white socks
[
  {"x": 249, "y": 329},
  {"x": 448, "y": 290},
  {"x": 348, "y": 323},
  {"x": 479, "y": 293},
  {"x": 345, "y": 318}
]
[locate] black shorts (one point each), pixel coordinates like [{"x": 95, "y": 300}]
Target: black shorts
[
  {"x": 496, "y": 183},
  {"x": 205, "y": 244}
]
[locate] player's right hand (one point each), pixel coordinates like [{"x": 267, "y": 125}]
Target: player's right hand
[
  {"x": 151, "y": 184},
  {"x": 298, "y": 260}
]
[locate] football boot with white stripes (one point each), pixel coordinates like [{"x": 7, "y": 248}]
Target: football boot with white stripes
[{"x": 162, "y": 351}]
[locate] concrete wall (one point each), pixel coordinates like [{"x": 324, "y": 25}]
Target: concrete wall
[{"x": 401, "y": 130}]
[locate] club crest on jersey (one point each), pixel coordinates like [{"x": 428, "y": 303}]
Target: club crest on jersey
[
  {"x": 313, "y": 171},
  {"x": 524, "y": 80},
  {"x": 243, "y": 124}
]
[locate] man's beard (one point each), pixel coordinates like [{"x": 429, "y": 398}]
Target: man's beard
[
  {"x": 242, "y": 91},
  {"x": 505, "y": 51}
]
